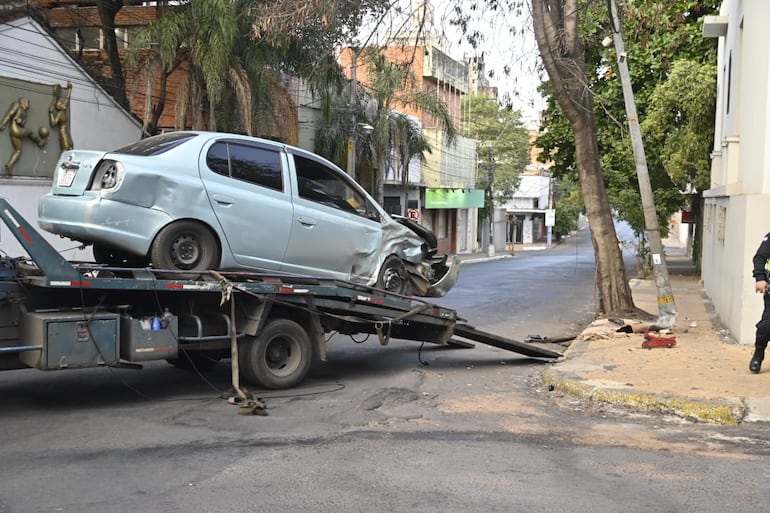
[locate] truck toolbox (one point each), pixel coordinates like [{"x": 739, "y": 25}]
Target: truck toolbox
[
  {"x": 70, "y": 339},
  {"x": 139, "y": 342}
]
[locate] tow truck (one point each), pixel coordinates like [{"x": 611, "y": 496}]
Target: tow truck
[{"x": 56, "y": 314}]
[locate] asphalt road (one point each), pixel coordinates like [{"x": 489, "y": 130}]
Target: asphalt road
[{"x": 401, "y": 428}]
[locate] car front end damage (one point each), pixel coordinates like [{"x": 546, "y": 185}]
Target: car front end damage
[{"x": 432, "y": 275}]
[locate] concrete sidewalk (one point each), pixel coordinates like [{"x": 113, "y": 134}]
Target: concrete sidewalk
[{"x": 704, "y": 377}]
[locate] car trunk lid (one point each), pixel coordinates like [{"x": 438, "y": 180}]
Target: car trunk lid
[{"x": 74, "y": 171}]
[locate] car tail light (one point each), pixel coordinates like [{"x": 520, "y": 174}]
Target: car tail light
[{"x": 108, "y": 176}]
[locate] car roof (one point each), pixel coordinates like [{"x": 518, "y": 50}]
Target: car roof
[{"x": 161, "y": 143}]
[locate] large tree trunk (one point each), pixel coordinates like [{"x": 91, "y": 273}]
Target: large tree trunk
[
  {"x": 108, "y": 11},
  {"x": 556, "y": 32}
]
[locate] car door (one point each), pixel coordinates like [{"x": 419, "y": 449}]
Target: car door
[
  {"x": 336, "y": 230},
  {"x": 249, "y": 192}
]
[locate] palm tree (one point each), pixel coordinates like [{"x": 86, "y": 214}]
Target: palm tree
[
  {"x": 231, "y": 79},
  {"x": 393, "y": 85}
]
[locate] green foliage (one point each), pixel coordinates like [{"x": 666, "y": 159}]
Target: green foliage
[
  {"x": 680, "y": 122},
  {"x": 675, "y": 102},
  {"x": 239, "y": 51},
  {"x": 395, "y": 138},
  {"x": 502, "y": 145},
  {"x": 568, "y": 202}
]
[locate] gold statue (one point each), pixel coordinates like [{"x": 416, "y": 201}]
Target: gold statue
[
  {"x": 17, "y": 115},
  {"x": 59, "y": 115}
]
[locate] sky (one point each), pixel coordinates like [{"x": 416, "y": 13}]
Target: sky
[{"x": 505, "y": 40}]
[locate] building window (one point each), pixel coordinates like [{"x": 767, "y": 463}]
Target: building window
[
  {"x": 67, "y": 37},
  {"x": 721, "y": 220},
  {"x": 89, "y": 38}
]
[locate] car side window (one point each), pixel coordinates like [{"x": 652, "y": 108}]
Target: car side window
[
  {"x": 320, "y": 184},
  {"x": 252, "y": 164}
]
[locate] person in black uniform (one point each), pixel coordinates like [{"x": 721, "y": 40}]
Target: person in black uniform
[{"x": 760, "y": 273}]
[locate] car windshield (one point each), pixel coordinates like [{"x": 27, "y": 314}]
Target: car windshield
[{"x": 157, "y": 144}]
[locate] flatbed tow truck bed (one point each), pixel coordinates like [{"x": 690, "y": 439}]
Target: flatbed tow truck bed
[{"x": 56, "y": 314}]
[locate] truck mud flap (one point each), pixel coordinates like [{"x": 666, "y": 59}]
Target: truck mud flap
[{"x": 469, "y": 332}]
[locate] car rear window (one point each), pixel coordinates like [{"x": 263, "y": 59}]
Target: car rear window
[
  {"x": 157, "y": 144},
  {"x": 253, "y": 164}
]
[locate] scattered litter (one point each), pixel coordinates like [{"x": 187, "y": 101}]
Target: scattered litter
[
  {"x": 652, "y": 340},
  {"x": 535, "y": 338}
]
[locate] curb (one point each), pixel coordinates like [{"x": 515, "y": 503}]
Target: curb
[{"x": 726, "y": 411}]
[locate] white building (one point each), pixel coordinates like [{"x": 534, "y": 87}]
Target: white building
[
  {"x": 529, "y": 204},
  {"x": 737, "y": 206}
]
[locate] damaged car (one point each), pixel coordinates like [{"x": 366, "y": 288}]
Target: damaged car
[{"x": 195, "y": 201}]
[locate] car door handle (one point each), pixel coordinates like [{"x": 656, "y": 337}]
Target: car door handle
[
  {"x": 225, "y": 201},
  {"x": 306, "y": 221}
]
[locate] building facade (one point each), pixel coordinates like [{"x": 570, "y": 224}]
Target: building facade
[
  {"x": 439, "y": 191},
  {"x": 60, "y": 105},
  {"x": 737, "y": 206}
]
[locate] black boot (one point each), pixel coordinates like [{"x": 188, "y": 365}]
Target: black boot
[{"x": 755, "y": 365}]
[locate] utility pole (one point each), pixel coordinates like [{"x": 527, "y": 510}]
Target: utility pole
[
  {"x": 666, "y": 305},
  {"x": 353, "y": 102},
  {"x": 490, "y": 179}
]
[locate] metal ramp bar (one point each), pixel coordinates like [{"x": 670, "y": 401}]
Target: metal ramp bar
[
  {"x": 469, "y": 332},
  {"x": 50, "y": 262}
]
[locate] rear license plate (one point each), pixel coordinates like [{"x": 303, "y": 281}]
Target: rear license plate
[{"x": 66, "y": 177}]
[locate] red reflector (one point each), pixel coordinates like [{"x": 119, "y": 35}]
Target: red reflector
[{"x": 26, "y": 235}]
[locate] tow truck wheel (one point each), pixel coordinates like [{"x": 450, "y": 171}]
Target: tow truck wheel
[
  {"x": 394, "y": 277},
  {"x": 278, "y": 357}
]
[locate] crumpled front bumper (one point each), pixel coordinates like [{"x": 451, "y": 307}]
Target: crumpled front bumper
[{"x": 451, "y": 271}]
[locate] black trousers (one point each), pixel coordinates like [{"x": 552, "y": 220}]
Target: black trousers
[{"x": 763, "y": 326}]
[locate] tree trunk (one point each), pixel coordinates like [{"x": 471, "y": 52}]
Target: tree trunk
[
  {"x": 556, "y": 32},
  {"x": 108, "y": 11}
]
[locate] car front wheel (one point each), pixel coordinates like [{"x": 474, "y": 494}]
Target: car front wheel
[
  {"x": 185, "y": 246},
  {"x": 394, "y": 277}
]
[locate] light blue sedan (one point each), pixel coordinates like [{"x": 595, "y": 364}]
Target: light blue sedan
[{"x": 194, "y": 201}]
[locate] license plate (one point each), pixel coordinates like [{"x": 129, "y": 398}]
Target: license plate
[{"x": 66, "y": 177}]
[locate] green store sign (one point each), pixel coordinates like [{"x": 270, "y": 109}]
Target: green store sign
[{"x": 454, "y": 198}]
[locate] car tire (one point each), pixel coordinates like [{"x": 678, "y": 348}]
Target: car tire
[
  {"x": 185, "y": 246},
  {"x": 117, "y": 258},
  {"x": 394, "y": 277},
  {"x": 278, "y": 357}
]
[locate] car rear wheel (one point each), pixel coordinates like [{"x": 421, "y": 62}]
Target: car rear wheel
[
  {"x": 185, "y": 246},
  {"x": 394, "y": 277}
]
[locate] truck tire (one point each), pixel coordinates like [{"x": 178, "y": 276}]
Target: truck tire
[{"x": 278, "y": 357}]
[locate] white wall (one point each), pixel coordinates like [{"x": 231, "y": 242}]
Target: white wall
[
  {"x": 97, "y": 121},
  {"x": 737, "y": 207}
]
